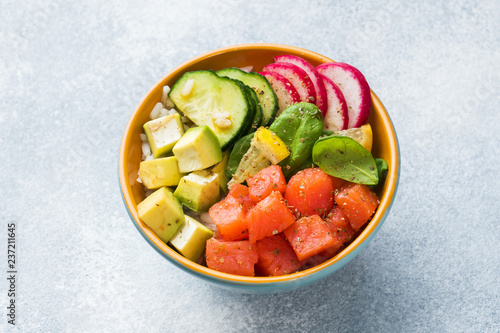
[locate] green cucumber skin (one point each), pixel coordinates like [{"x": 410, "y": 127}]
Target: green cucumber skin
[
  {"x": 240, "y": 76},
  {"x": 265, "y": 94},
  {"x": 253, "y": 102},
  {"x": 257, "y": 120},
  {"x": 251, "y": 109},
  {"x": 242, "y": 113}
]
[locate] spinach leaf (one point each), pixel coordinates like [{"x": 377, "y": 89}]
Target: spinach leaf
[
  {"x": 327, "y": 132},
  {"x": 343, "y": 157},
  {"x": 299, "y": 126},
  {"x": 382, "y": 169},
  {"x": 239, "y": 149}
]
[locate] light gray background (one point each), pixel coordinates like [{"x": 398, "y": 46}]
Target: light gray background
[{"x": 71, "y": 75}]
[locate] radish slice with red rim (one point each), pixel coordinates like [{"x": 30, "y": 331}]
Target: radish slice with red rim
[
  {"x": 284, "y": 90},
  {"x": 321, "y": 96},
  {"x": 354, "y": 87},
  {"x": 297, "y": 77},
  {"x": 336, "y": 117}
]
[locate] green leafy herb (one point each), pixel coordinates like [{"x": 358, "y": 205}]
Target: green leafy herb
[
  {"x": 240, "y": 148},
  {"x": 299, "y": 126},
  {"x": 343, "y": 157},
  {"x": 382, "y": 169}
]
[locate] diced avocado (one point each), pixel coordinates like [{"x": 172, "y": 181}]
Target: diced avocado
[
  {"x": 198, "y": 149},
  {"x": 220, "y": 169},
  {"x": 190, "y": 239},
  {"x": 160, "y": 172},
  {"x": 162, "y": 213},
  {"x": 199, "y": 190},
  {"x": 163, "y": 133}
]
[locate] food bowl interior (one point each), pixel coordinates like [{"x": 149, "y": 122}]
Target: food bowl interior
[{"x": 256, "y": 55}]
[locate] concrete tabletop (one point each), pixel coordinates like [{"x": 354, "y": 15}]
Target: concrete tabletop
[{"x": 71, "y": 74}]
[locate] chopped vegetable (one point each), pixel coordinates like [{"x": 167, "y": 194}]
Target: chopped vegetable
[
  {"x": 162, "y": 213},
  {"x": 190, "y": 239},
  {"x": 197, "y": 149},
  {"x": 160, "y": 172},
  {"x": 266, "y": 98},
  {"x": 163, "y": 133},
  {"x": 239, "y": 149},
  {"x": 210, "y": 93},
  {"x": 266, "y": 148},
  {"x": 363, "y": 135},
  {"x": 321, "y": 97},
  {"x": 220, "y": 169},
  {"x": 354, "y": 87},
  {"x": 198, "y": 190}
]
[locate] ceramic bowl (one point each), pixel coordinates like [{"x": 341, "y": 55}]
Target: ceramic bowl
[{"x": 257, "y": 55}]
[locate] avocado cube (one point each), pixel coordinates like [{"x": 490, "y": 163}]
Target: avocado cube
[
  {"x": 190, "y": 239},
  {"x": 199, "y": 190},
  {"x": 162, "y": 213},
  {"x": 220, "y": 169},
  {"x": 163, "y": 133},
  {"x": 198, "y": 149},
  {"x": 160, "y": 172}
]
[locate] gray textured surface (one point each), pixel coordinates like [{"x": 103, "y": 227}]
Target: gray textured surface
[{"x": 70, "y": 76}]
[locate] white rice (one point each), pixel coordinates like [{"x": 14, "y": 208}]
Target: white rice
[
  {"x": 155, "y": 113},
  {"x": 167, "y": 103},
  {"x": 207, "y": 221},
  {"x": 146, "y": 150},
  {"x": 247, "y": 69},
  {"x": 163, "y": 112}
]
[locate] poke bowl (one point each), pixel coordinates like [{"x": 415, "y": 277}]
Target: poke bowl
[{"x": 253, "y": 57}]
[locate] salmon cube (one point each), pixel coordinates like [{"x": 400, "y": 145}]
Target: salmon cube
[
  {"x": 233, "y": 257},
  {"x": 276, "y": 256},
  {"x": 309, "y": 236},
  {"x": 269, "y": 217},
  {"x": 265, "y": 182},
  {"x": 358, "y": 202},
  {"x": 229, "y": 216}
]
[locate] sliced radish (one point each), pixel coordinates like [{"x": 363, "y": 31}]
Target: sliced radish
[
  {"x": 297, "y": 77},
  {"x": 319, "y": 87},
  {"x": 354, "y": 88},
  {"x": 284, "y": 90},
  {"x": 336, "y": 117}
]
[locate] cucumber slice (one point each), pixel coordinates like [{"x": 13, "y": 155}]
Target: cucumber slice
[
  {"x": 200, "y": 94},
  {"x": 252, "y": 108},
  {"x": 257, "y": 120},
  {"x": 265, "y": 94}
]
